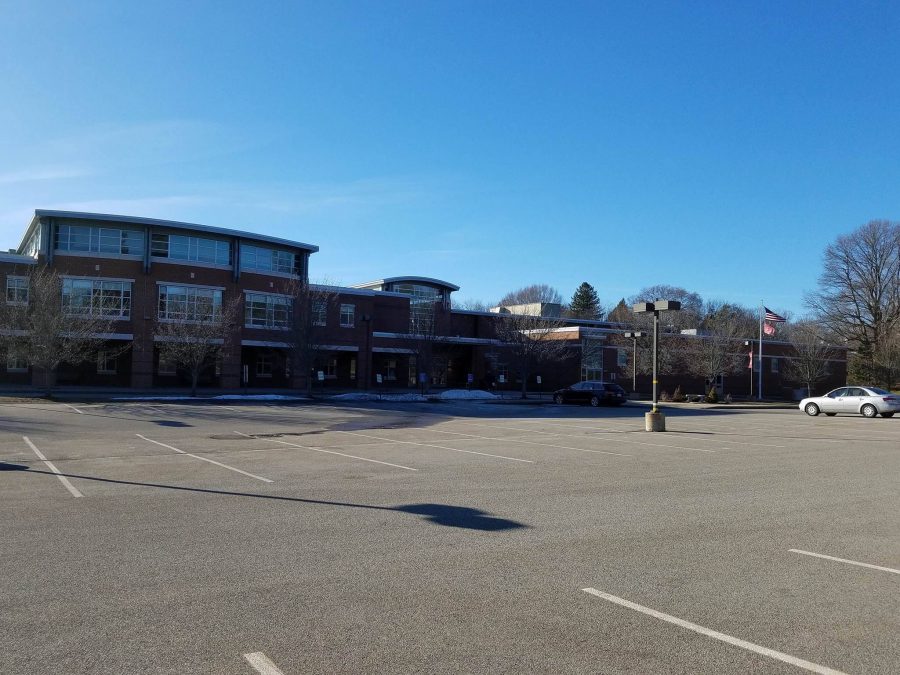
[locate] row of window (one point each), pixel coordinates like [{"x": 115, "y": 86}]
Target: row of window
[
  {"x": 119, "y": 241},
  {"x": 112, "y": 299}
]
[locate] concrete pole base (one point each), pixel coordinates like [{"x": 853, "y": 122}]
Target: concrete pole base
[{"x": 654, "y": 421}]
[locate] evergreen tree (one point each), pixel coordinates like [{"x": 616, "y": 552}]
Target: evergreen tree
[{"x": 585, "y": 303}]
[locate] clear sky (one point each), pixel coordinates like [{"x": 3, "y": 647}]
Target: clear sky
[{"x": 717, "y": 146}]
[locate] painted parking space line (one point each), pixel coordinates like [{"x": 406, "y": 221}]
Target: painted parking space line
[
  {"x": 206, "y": 459},
  {"x": 522, "y": 440},
  {"x": 844, "y": 560},
  {"x": 342, "y": 454},
  {"x": 262, "y": 664},
  {"x": 80, "y": 412},
  {"x": 65, "y": 481},
  {"x": 618, "y": 440},
  {"x": 440, "y": 447},
  {"x": 737, "y": 642}
]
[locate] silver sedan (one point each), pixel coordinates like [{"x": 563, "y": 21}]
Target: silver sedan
[{"x": 865, "y": 401}]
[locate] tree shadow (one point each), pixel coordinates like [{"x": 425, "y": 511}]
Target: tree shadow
[{"x": 440, "y": 514}]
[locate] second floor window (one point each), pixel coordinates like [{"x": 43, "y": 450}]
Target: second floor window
[
  {"x": 319, "y": 312},
  {"x": 347, "y": 316},
  {"x": 97, "y": 297},
  {"x": 16, "y": 290},
  {"x": 93, "y": 239},
  {"x": 259, "y": 258},
  {"x": 262, "y": 310},
  {"x": 196, "y": 249},
  {"x": 189, "y": 303}
]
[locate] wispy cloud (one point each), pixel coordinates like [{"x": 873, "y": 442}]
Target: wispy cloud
[{"x": 43, "y": 173}]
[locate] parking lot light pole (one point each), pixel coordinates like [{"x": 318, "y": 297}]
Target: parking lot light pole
[
  {"x": 634, "y": 335},
  {"x": 655, "y": 420}
]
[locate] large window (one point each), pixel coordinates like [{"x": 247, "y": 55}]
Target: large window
[
  {"x": 16, "y": 364},
  {"x": 258, "y": 258},
  {"x": 262, "y": 310},
  {"x": 16, "y": 290},
  {"x": 93, "y": 239},
  {"x": 195, "y": 249},
  {"x": 319, "y": 312},
  {"x": 106, "y": 363},
  {"x": 97, "y": 297},
  {"x": 189, "y": 303},
  {"x": 347, "y": 316},
  {"x": 422, "y": 301}
]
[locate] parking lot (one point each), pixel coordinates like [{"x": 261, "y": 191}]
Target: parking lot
[{"x": 144, "y": 537}]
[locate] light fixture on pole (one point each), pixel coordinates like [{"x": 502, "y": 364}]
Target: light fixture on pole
[
  {"x": 655, "y": 420},
  {"x": 634, "y": 335}
]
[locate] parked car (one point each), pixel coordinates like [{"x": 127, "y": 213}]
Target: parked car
[
  {"x": 865, "y": 401},
  {"x": 593, "y": 392}
]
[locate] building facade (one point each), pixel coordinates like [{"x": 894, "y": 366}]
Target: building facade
[{"x": 397, "y": 332}]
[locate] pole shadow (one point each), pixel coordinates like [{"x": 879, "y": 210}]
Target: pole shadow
[{"x": 439, "y": 514}]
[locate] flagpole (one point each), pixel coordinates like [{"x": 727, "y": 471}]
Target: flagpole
[{"x": 759, "y": 392}]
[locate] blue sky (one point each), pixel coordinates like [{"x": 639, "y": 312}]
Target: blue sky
[{"x": 717, "y": 146}]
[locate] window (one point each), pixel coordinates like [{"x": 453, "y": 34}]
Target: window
[
  {"x": 258, "y": 258},
  {"x": 353, "y": 368},
  {"x": 264, "y": 364},
  {"x": 262, "y": 310},
  {"x": 16, "y": 364},
  {"x": 97, "y": 297},
  {"x": 16, "y": 290},
  {"x": 166, "y": 367},
  {"x": 320, "y": 312},
  {"x": 331, "y": 368},
  {"x": 774, "y": 365},
  {"x": 106, "y": 363},
  {"x": 196, "y": 249},
  {"x": 622, "y": 356},
  {"x": 347, "y": 316},
  {"x": 189, "y": 303},
  {"x": 33, "y": 245},
  {"x": 391, "y": 370},
  {"x": 99, "y": 240},
  {"x": 421, "y": 305}
]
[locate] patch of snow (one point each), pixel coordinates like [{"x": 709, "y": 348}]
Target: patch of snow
[
  {"x": 379, "y": 397},
  {"x": 466, "y": 394}
]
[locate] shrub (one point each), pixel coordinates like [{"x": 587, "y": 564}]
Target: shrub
[
  {"x": 678, "y": 397},
  {"x": 712, "y": 396},
  {"x": 664, "y": 396}
]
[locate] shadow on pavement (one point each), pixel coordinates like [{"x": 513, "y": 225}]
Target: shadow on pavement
[{"x": 440, "y": 514}]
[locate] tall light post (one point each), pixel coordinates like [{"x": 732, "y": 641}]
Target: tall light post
[
  {"x": 634, "y": 335},
  {"x": 655, "y": 420}
]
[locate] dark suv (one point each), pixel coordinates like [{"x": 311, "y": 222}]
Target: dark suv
[{"x": 593, "y": 392}]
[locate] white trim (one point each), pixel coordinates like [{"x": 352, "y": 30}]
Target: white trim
[
  {"x": 159, "y": 260},
  {"x": 84, "y": 278},
  {"x": 96, "y": 254},
  {"x": 171, "y": 338},
  {"x": 392, "y": 350},
  {"x": 400, "y": 280},
  {"x": 337, "y": 348},
  {"x": 17, "y": 258},
  {"x": 265, "y": 343},
  {"x": 189, "y": 285}
]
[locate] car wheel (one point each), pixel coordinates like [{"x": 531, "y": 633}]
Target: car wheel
[
  {"x": 558, "y": 399},
  {"x": 831, "y": 414},
  {"x": 887, "y": 414},
  {"x": 595, "y": 401},
  {"x": 869, "y": 410},
  {"x": 811, "y": 409}
]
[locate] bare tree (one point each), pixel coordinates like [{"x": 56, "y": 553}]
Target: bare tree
[
  {"x": 536, "y": 293},
  {"x": 715, "y": 349},
  {"x": 423, "y": 317},
  {"x": 886, "y": 356},
  {"x": 195, "y": 331},
  {"x": 531, "y": 340},
  {"x": 472, "y": 305},
  {"x": 691, "y": 305},
  {"x": 809, "y": 364},
  {"x": 310, "y": 305},
  {"x": 859, "y": 292},
  {"x": 47, "y": 325}
]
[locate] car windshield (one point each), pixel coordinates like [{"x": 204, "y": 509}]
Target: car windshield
[{"x": 837, "y": 392}]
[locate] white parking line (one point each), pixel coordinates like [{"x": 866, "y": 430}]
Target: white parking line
[
  {"x": 65, "y": 481},
  {"x": 262, "y": 664},
  {"x": 737, "y": 642},
  {"x": 80, "y": 412},
  {"x": 521, "y": 440},
  {"x": 206, "y": 459},
  {"x": 342, "y": 454},
  {"x": 844, "y": 560},
  {"x": 441, "y": 447}
]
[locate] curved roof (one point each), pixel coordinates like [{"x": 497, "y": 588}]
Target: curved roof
[
  {"x": 417, "y": 280},
  {"x": 136, "y": 220}
]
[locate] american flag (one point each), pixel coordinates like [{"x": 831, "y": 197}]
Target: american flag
[{"x": 773, "y": 317}]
